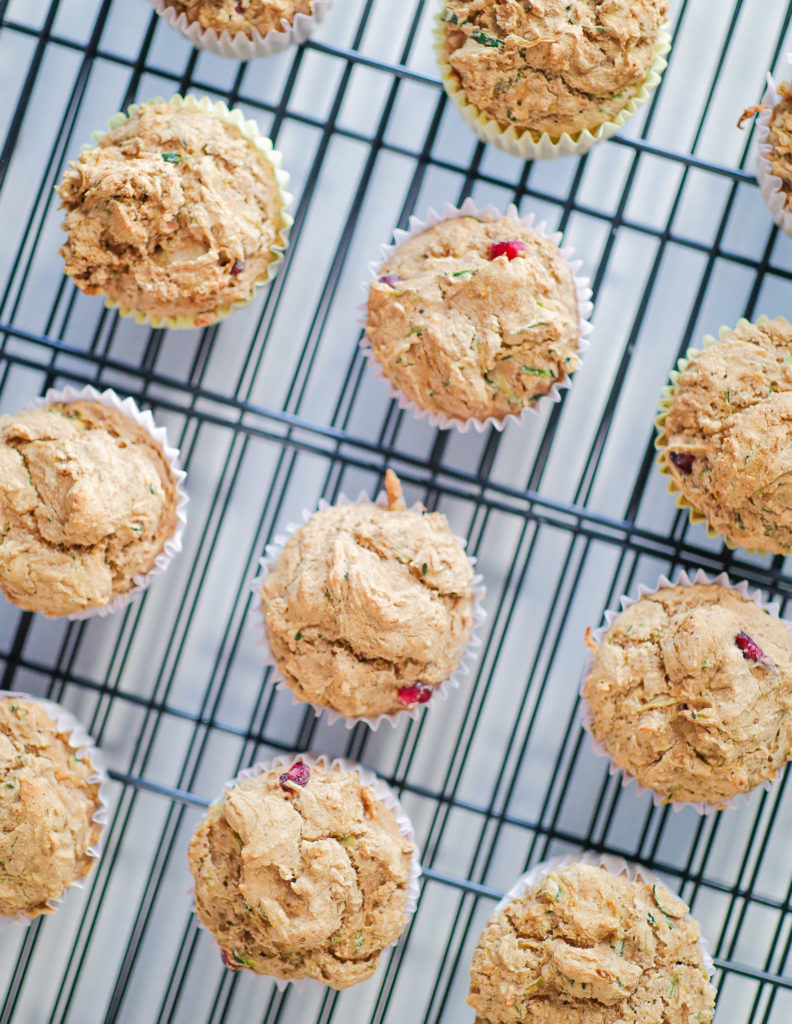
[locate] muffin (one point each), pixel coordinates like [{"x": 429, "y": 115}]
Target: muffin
[
  {"x": 242, "y": 16},
  {"x": 774, "y": 166},
  {"x": 723, "y": 435},
  {"x": 368, "y": 609},
  {"x": 48, "y": 831},
  {"x": 176, "y": 215},
  {"x": 302, "y": 873},
  {"x": 690, "y": 693},
  {"x": 88, "y": 501},
  {"x": 584, "y": 946},
  {"x": 475, "y": 318},
  {"x": 553, "y": 69}
]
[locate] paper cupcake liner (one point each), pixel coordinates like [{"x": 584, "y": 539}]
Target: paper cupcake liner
[
  {"x": 83, "y": 745},
  {"x": 526, "y": 144},
  {"x": 770, "y": 185},
  {"x": 240, "y": 46},
  {"x": 682, "y": 580},
  {"x": 613, "y": 865},
  {"x": 469, "y": 209},
  {"x": 441, "y": 691},
  {"x": 695, "y": 514},
  {"x": 263, "y": 146},
  {"x": 145, "y": 420},
  {"x": 382, "y": 792}
]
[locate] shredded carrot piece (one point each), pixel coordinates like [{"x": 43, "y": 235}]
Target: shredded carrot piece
[
  {"x": 393, "y": 489},
  {"x": 750, "y": 112}
]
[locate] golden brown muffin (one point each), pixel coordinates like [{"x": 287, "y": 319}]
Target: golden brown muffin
[
  {"x": 175, "y": 213},
  {"x": 368, "y": 609},
  {"x": 690, "y": 693},
  {"x": 87, "y": 502},
  {"x": 475, "y": 318},
  {"x": 584, "y": 946},
  {"x": 47, "y": 810},
  {"x": 302, "y": 874},
  {"x": 552, "y": 66},
  {"x": 724, "y": 439},
  {"x": 242, "y": 16}
]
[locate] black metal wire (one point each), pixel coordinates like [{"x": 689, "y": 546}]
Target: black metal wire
[{"x": 309, "y": 455}]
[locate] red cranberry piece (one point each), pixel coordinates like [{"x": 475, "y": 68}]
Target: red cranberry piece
[
  {"x": 683, "y": 461},
  {"x": 510, "y": 249},
  {"x": 751, "y": 650},
  {"x": 237, "y": 267},
  {"x": 239, "y": 9},
  {"x": 390, "y": 279},
  {"x": 229, "y": 963},
  {"x": 418, "y": 693},
  {"x": 298, "y": 774}
]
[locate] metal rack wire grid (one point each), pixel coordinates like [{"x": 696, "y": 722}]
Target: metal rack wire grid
[{"x": 274, "y": 409}]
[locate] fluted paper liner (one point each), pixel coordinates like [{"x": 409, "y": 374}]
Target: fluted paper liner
[
  {"x": 582, "y": 293},
  {"x": 770, "y": 185},
  {"x": 528, "y": 145},
  {"x": 440, "y": 692},
  {"x": 173, "y": 544},
  {"x": 382, "y": 792},
  {"x": 83, "y": 745},
  {"x": 695, "y": 514},
  {"x": 682, "y": 580},
  {"x": 613, "y": 865},
  {"x": 250, "y": 131},
  {"x": 239, "y": 46}
]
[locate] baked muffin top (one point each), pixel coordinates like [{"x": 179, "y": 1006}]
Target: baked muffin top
[
  {"x": 475, "y": 318},
  {"x": 46, "y": 814},
  {"x": 87, "y": 502},
  {"x": 367, "y": 608},
  {"x": 302, "y": 874},
  {"x": 584, "y": 946},
  {"x": 690, "y": 693},
  {"x": 780, "y": 139},
  {"x": 243, "y": 16},
  {"x": 552, "y": 66},
  {"x": 174, "y": 213},
  {"x": 726, "y": 435}
]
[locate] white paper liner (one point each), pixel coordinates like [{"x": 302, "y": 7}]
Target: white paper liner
[
  {"x": 523, "y": 143},
  {"x": 250, "y": 131},
  {"x": 145, "y": 420},
  {"x": 440, "y": 692},
  {"x": 83, "y": 745},
  {"x": 382, "y": 792},
  {"x": 682, "y": 580},
  {"x": 613, "y": 865},
  {"x": 770, "y": 184},
  {"x": 469, "y": 209},
  {"x": 240, "y": 46}
]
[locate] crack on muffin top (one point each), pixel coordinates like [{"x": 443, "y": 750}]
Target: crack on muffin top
[
  {"x": 690, "y": 692},
  {"x": 87, "y": 502},
  {"x": 552, "y": 66},
  {"x": 726, "y": 435},
  {"x": 469, "y": 335}
]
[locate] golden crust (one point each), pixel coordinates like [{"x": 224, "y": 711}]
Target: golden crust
[
  {"x": 681, "y": 706},
  {"x": 726, "y": 433},
  {"x": 175, "y": 213},
  {"x": 552, "y": 66},
  {"x": 46, "y": 814},
  {"x": 364, "y": 602},
  {"x": 586, "y": 947},
  {"x": 87, "y": 502},
  {"x": 470, "y": 336},
  {"x": 242, "y": 16},
  {"x": 302, "y": 879}
]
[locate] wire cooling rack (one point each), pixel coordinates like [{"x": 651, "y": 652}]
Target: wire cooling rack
[{"x": 275, "y": 409}]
